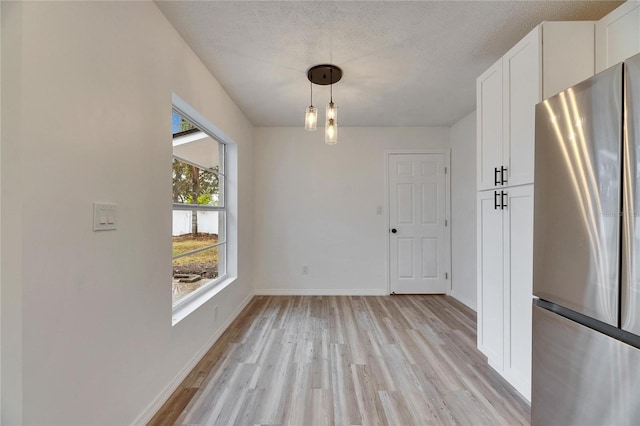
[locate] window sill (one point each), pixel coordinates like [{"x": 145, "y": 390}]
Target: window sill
[{"x": 183, "y": 309}]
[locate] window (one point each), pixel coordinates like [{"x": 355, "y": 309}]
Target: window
[{"x": 199, "y": 226}]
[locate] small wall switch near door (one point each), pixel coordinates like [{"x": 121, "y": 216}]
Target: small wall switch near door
[
  {"x": 105, "y": 216},
  {"x": 379, "y": 210}
]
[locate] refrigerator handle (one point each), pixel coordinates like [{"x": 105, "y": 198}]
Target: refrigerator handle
[
  {"x": 503, "y": 204},
  {"x": 495, "y": 200},
  {"x": 496, "y": 181},
  {"x": 503, "y": 179}
]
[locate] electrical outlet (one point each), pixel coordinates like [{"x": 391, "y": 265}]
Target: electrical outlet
[
  {"x": 379, "y": 210},
  {"x": 305, "y": 269}
]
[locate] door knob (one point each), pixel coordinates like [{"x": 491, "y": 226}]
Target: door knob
[{"x": 394, "y": 230}]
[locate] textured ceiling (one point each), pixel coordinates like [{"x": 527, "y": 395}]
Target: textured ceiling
[{"x": 404, "y": 63}]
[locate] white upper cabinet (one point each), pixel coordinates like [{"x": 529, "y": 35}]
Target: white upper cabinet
[
  {"x": 552, "y": 57},
  {"x": 521, "y": 91},
  {"x": 618, "y": 35},
  {"x": 489, "y": 122}
]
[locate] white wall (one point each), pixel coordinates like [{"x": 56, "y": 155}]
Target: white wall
[
  {"x": 11, "y": 241},
  {"x": 316, "y": 206},
  {"x": 86, "y": 316},
  {"x": 463, "y": 210},
  {"x": 0, "y": 215}
]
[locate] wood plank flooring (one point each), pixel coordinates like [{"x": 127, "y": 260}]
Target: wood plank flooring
[{"x": 346, "y": 360}]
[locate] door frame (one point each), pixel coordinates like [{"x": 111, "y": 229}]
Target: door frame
[{"x": 447, "y": 204}]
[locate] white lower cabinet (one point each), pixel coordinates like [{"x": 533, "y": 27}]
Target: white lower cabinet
[
  {"x": 505, "y": 262},
  {"x": 518, "y": 287},
  {"x": 490, "y": 277}
]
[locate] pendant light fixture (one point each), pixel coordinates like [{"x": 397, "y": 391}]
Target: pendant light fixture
[
  {"x": 324, "y": 75},
  {"x": 331, "y": 126}
]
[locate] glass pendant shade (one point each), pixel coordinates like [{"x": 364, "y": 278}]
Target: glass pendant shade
[
  {"x": 331, "y": 132},
  {"x": 331, "y": 126},
  {"x": 332, "y": 111},
  {"x": 311, "y": 118}
]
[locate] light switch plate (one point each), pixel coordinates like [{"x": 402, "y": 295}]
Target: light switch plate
[{"x": 105, "y": 216}]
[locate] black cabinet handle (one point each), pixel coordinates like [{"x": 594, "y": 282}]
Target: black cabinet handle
[
  {"x": 503, "y": 171},
  {"x": 394, "y": 230},
  {"x": 495, "y": 200},
  {"x": 496, "y": 182},
  {"x": 503, "y": 204}
]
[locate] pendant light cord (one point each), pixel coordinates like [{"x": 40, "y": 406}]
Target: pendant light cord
[
  {"x": 311, "y": 85},
  {"x": 331, "y": 88}
]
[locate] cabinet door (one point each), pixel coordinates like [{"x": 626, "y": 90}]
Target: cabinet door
[
  {"x": 490, "y": 279},
  {"x": 618, "y": 35},
  {"x": 518, "y": 280},
  {"x": 489, "y": 121},
  {"x": 521, "y": 93}
]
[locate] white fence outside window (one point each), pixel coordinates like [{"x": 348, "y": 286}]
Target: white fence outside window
[{"x": 207, "y": 222}]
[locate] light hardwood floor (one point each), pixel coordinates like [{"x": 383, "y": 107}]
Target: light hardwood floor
[{"x": 394, "y": 360}]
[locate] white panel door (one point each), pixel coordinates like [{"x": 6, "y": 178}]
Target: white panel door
[{"x": 419, "y": 237}]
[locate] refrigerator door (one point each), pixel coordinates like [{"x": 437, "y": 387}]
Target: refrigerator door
[
  {"x": 580, "y": 376},
  {"x": 630, "y": 296},
  {"x": 577, "y": 197}
]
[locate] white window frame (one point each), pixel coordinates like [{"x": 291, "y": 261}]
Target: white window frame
[{"x": 198, "y": 297}]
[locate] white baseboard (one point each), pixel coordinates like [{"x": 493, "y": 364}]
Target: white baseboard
[
  {"x": 320, "y": 292},
  {"x": 465, "y": 302},
  {"x": 498, "y": 368},
  {"x": 519, "y": 383},
  {"x": 157, "y": 403}
]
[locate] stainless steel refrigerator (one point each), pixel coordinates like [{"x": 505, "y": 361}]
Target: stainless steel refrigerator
[{"x": 586, "y": 279}]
